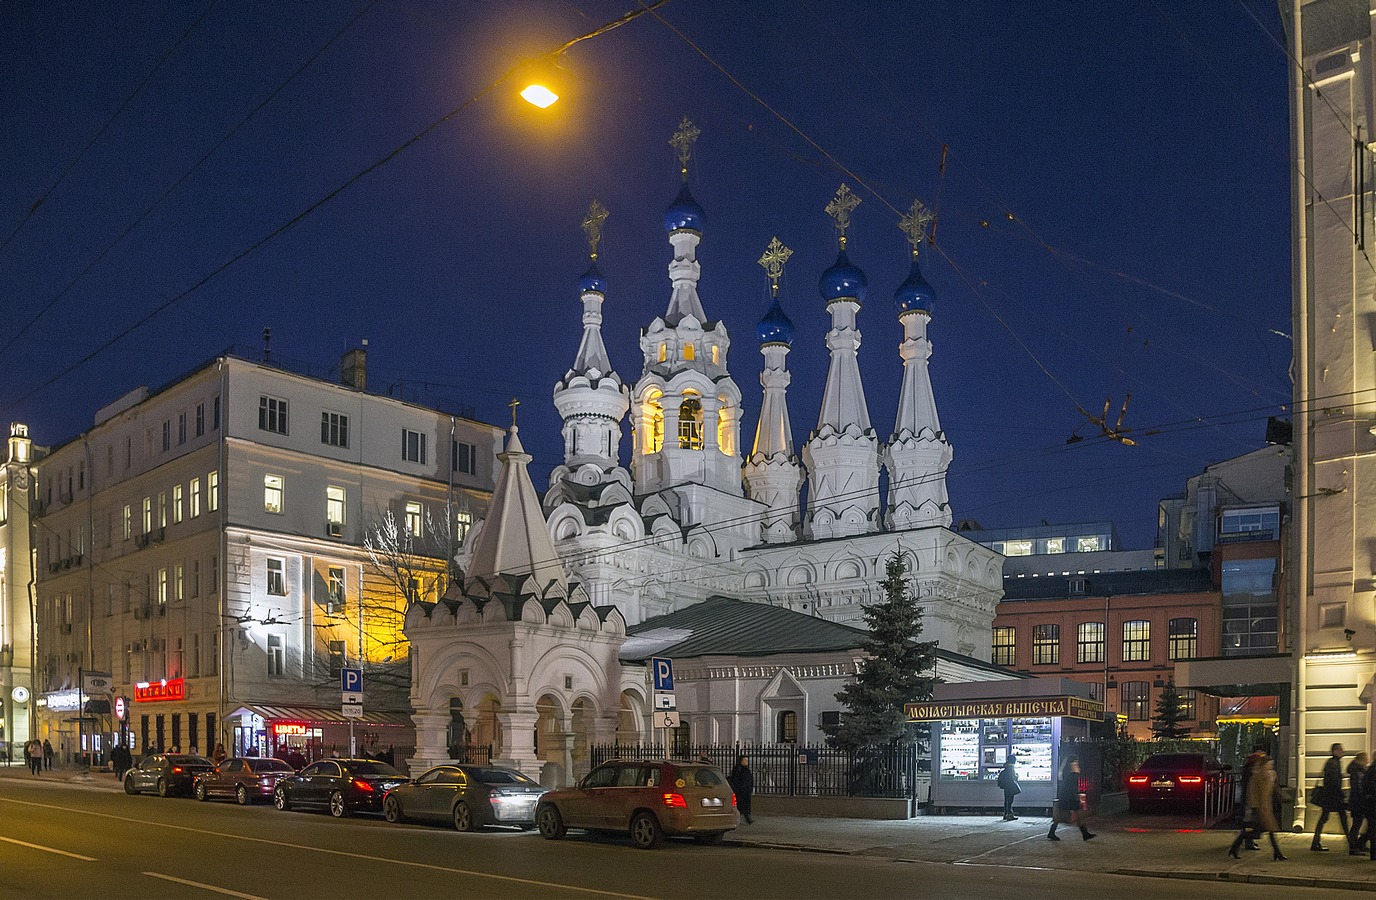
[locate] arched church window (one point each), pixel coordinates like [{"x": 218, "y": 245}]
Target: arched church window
[
  {"x": 690, "y": 352},
  {"x": 716, "y": 355},
  {"x": 663, "y": 352},
  {"x": 690, "y": 424},
  {"x": 726, "y": 430},
  {"x": 788, "y": 727},
  {"x": 654, "y": 424}
]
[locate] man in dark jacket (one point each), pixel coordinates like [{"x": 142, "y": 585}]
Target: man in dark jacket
[
  {"x": 121, "y": 760},
  {"x": 1329, "y": 798},
  {"x": 1008, "y": 783},
  {"x": 1369, "y": 801}
]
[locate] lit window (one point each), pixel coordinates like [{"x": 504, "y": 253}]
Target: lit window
[
  {"x": 1088, "y": 544},
  {"x": 1046, "y": 645},
  {"x": 277, "y": 578},
  {"x": 277, "y": 656},
  {"x": 690, "y": 352},
  {"x": 272, "y": 493},
  {"x": 1136, "y": 700},
  {"x": 654, "y": 424},
  {"x": 412, "y": 446},
  {"x": 1017, "y": 548},
  {"x": 1136, "y": 641},
  {"x": 1188, "y": 704},
  {"x": 334, "y": 509},
  {"x": 162, "y": 587},
  {"x": 663, "y": 352},
  {"x": 1183, "y": 638},
  {"x": 162, "y": 509},
  {"x": 335, "y": 588},
  {"x": 1089, "y": 642},
  {"x": 716, "y": 355},
  {"x": 414, "y": 517},
  {"x": 1004, "y": 645},
  {"x": 788, "y": 727},
  {"x": 179, "y": 582},
  {"x": 690, "y": 424},
  {"x": 272, "y": 415},
  {"x": 195, "y": 497},
  {"x": 147, "y": 514},
  {"x": 128, "y": 521},
  {"x": 176, "y": 504},
  {"x": 334, "y": 429},
  {"x": 463, "y": 520},
  {"x": 1055, "y": 545},
  {"x": 212, "y": 491}
]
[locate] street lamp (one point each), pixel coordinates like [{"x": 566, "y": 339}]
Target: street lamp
[{"x": 537, "y": 94}]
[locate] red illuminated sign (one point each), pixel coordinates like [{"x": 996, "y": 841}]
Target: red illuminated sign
[
  {"x": 291, "y": 729},
  {"x": 159, "y": 691}
]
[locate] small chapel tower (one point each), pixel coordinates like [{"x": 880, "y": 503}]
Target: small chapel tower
[
  {"x": 772, "y": 473},
  {"x": 842, "y": 454},
  {"x": 685, "y": 410},
  {"x": 918, "y": 454}
]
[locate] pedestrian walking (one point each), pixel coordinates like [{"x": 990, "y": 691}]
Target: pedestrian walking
[
  {"x": 1070, "y": 806},
  {"x": 1008, "y": 783},
  {"x": 47, "y": 754},
  {"x": 1261, "y": 816},
  {"x": 1369, "y": 807},
  {"x": 742, "y": 781},
  {"x": 121, "y": 760},
  {"x": 35, "y": 753},
  {"x": 1356, "y": 841},
  {"x": 1328, "y": 796}
]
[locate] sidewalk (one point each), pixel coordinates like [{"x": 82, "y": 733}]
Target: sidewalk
[{"x": 1127, "y": 844}]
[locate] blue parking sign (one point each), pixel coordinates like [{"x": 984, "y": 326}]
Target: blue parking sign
[
  {"x": 351, "y": 681},
  {"x": 663, "y": 670}
]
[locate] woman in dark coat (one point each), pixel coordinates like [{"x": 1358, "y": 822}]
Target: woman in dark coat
[
  {"x": 1068, "y": 801},
  {"x": 742, "y": 781}
]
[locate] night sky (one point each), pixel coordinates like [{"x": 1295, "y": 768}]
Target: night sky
[{"x": 1112, "y": 217}]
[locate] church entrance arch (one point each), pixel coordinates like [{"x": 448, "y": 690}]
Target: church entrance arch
[
  {"x": 457, "y": 736},
  {"x": 551, "y": 741},
  {"x": 581, "y": 723},
  {"x": 630, "y": 719},
  {"x": 487, "y": 731}
]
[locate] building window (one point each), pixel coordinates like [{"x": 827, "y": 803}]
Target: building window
[
  {"x": 179, "y": 581},
  {"x": 690, "y": 352},
  {"x": 690, "y": 424},
  {"x": 215, "y": 416},
  {"x": 195, "y": 497},
  {"x": 1089, "y": 642},
  {"x": 463, "y": 520},
  {"x": 1046, "y": 645},
  {"x": 334, "y": 429},
  {"x": 176, "y": 504},
  {"x": 166, "y": 435},
  {"x": 272, "y": 493},
  {"x": 1017, "y": 548},
  {"x": 414, "y": 519},
  {"x": 277, "y": 656},
  {"x": 195, "y": 586},
  {"x": 336, "y": 658},
  {"x": 1055, "y": 545},
  {"x": 1076, "y": 587},
  {"x": 162, "y": 509},
  {"x": 1136, "y": 700},
  {"x": 214, "y": 573},
  {"x": 181, "y": 428},
  {"x": 128, "y": 521},
  {"x": 277, "y": 579},
  {"x": 1096, "y": 691},
  {"x": 1250, "y": 607},
  {"x": 147, "y": 514},
  {"x": 200, "y": 419},
  {"x": 464, "y": 458},
  {"x": 788, "y": 724},
  {"x": 334, "y": 510},
  {"x": 412, "y": 446},
  {"x": 1004, "y": 639},
  {"x": 272, "y": 415},
  {"x": 1183, "y": 637},
  {"x": 162, "y": 587},
  {"x": 212, "y": 491},
  {"x": 195, "y": 655},
  {"x": 1088, "y": 544},
  {"x": 1136, "y": 641},
  {"x": 1189, "y": 702},
  {"x": 1258, "y": 524},
  {"x": 654, "y": 424},
  {"x": 334, "y": 588}
]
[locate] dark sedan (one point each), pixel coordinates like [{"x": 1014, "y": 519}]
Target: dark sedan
[
  {"x": 342, "y": 786},
  {"x": 468, "y": 796},
  {"x": 1173, "y": 779},
  {"x": 166, "y": 773},
  {"x": 245, "y": 779}
]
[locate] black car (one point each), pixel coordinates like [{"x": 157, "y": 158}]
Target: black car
[
  {"x": 1173, "y": 779},
  {"x": 468, "y": 796},
  {"x": 166, "y": 773},
  {"x": 342, "y": 786}
]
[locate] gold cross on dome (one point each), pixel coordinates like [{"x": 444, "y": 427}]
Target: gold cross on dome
[
  {"x": 513, "y": 404},
  {"x": 682, "y": 141},
  {"x": 775, "y": 255},
  {"x": 592, "y": 225},
  {"x": 840, "y": 208},
  {"x": 915, "y": 223}
]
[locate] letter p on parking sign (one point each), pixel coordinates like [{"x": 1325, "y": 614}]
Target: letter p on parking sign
[{"x": 663, "y": 670}]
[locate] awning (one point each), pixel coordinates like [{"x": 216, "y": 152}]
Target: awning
[
  {"x": 320, "y": 715},
  {"x": 1237, "y": 676}
]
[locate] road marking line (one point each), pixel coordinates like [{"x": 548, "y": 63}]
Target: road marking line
[
  {"x": 204, "y": 887},
  {"x": 328, "y": 852},
  {"x": 48, "y": 849}
]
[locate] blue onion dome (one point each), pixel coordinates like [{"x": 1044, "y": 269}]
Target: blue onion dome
[
  {"x": 842, "y": 280},
  {"x": 684, "y": 214},
  {"x": 914, "y": 293},
  {"x": 775, "y": 327},
  {"x": 592, "y": 280}
]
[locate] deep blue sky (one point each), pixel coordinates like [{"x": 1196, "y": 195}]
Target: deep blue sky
[{"x": 1114, "y": 209}]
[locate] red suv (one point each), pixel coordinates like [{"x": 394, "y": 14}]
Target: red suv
[{"x": 648, "y": 800}]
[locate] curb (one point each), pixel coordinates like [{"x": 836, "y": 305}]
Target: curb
[
  {"x": 1255, "y": 878},
  {"x": 798, "y": 848}
]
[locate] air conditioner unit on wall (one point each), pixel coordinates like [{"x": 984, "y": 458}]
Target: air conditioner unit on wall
[
  {"x": 829, "y": 719},
  {"x": 334, "y": 529}
]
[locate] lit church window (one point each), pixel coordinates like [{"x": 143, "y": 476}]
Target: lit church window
[
  {"x": 690, "y": 424},
  {"x": 654, "y": 425},
  {"x": 689, "y": 352}
]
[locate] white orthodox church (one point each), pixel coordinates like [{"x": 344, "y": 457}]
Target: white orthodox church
[{"x": 693, "y": 552}]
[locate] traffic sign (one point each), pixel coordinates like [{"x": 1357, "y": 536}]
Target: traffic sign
[
  {"x": 352, "y": 697},
  {"x": 663, "y": 670},
  {"x": 351, "y": 681},
  {"x": 664, "y": 701},
  {"x": 666, "y": 719},
  {"x": 121, "y": 707},
  {"x": 353, "y": 710}
]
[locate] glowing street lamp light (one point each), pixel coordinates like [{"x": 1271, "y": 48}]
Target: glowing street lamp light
[{"x": 539, "y": 95}]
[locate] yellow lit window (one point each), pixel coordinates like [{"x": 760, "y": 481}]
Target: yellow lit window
[
  {"x": 716, "y": 355},
  {"x": 690, "y": 352},
  {"x": 663, "y": 352}
]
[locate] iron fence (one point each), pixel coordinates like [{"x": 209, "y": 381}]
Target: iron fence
[
  {"x": 797, "y": 770},
  {"x": 471, "y": 754}
]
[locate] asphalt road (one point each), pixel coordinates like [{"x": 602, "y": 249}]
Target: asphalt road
[{"x": 66, "y": 843}]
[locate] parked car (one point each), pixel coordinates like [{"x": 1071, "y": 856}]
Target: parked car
[
  {"x": 647, "y": 800},
  {"x": 1173, "y": 779},
  {"x": 468, "y": 796},
  {"x": 166, "y": 773},
  {"x": 245, "y": 779},
  {"x": 342, "y": 786}
]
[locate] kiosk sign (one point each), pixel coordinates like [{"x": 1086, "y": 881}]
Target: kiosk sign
[{"x": 1013, "y": 708}]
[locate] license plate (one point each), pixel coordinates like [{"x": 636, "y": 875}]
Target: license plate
[{"x": 1163, "y": 784}]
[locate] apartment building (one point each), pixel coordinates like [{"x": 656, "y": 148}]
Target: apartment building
[
  {"x": 17, "y": 489},
  {"x": 204, "y": 545}
]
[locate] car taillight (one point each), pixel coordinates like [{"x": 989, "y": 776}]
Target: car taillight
[
  {"x": 1190, "y": 779},
  {"x": 733, "y": 799},
  {"x": 1137, "y": 779},
  {"x": 363, "y": 786},
  {"x": 675, "y": 801},
  {"x": 176, "y": 770}
]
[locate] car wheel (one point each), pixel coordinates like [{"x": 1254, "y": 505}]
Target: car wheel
[
  {"x": 463, "y": 817},
  {"x": 129, "y": 785},
  {"x": 391, "y": 809},
  {"x": 711, "y": 839},
  {"x": 242, "y": 795},
  {"x": 550, "y": 823},
  {"x": 337, "y": 807},
  {"x": 280, "y": 799},
  {"x": 645, "y": 831},
  {"x": 163, "y": 787},
  {"x": 200, "y": 791}
]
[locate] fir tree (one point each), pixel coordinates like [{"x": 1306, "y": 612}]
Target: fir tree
[
  {"x": 1166, "y": 724},
  {"x": 898, "y": 669}
]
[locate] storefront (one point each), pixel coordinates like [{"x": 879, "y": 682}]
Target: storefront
[
  {"x": 315, "y": 732},
  {"x": 976, "y": 727}
]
